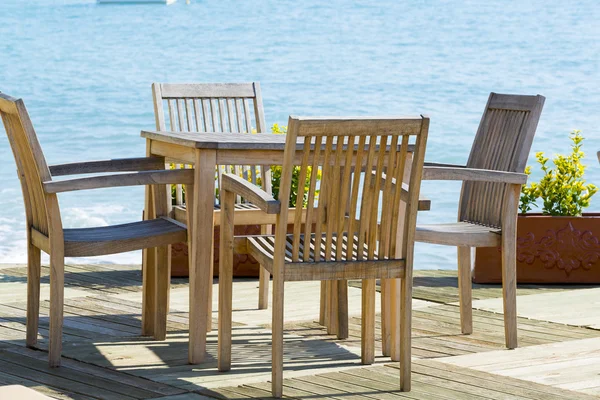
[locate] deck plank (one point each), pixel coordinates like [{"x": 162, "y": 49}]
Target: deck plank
[{"x": 105, "y": 358}]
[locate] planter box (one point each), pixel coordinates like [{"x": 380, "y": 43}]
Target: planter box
[
  {"x": 244, "y": 265},
  {"x": 549, "y": 250}
]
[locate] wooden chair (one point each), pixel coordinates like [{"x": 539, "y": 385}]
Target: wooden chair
[
  {"x": 489, "y": 200},
  {"x": 337, "y": 236},
  {"x": 45, "y": 230},
  {"x": 219, "y": 108}
]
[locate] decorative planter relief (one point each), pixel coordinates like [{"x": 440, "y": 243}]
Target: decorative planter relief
[{"x": 549, "y": 250}]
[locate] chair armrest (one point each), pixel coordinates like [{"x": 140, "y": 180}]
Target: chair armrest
[
  {"x": 472, "y": 174},
  {"x": 257, "y": 196},
  {"x": 432, "y": 164},
  {"x": 116, "y": 165},
  {"x": 424, "y": 203},
  {"x": 161, "y": 177}
]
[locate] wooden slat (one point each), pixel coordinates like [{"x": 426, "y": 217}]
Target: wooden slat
[
  {"x": 310, "y": 205},
  {"x": 181, "y": 114},
  {"x": 367, "y": 197},
  {"x": 206, "y": 117},
  {"x": 172, "y": 123},
  {"x": 373, "y": 223},
  {"x": 399, "y": 177},
  {"x": 205, "y": 90},
  {"x": 334, "y": 200},
  {"x": 387, "y": 198},
  {"x": 323, "y": 197},
  {"x": 213, "y": 114},
  {"x": 198, "y": 113},
  {"x": 222, "y": 116},
  {"x": 247, "y": 116},
  {"x": 345, "y": 201},
  {"x": 355, "y": 187},
  {"x": 299, "y": 201}
]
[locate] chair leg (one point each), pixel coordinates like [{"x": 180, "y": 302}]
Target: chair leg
[
  {"x": 405, "y": 334},
  {"x": 263, "y": 288},
  {"x": 464, "y": 289},
  {"x": 509, "y": 264},
  {"x": 57, "y": 288},
  {"x": 322, "y": 306},
  {"x": 342, "y": 310},
  {"x": 386, "y": 331},
  {"x": 509, "y": 290},
  {"x": 163, "y": 283},
  {"x": 368, "y": 322},
  {"x": 395, "y": 307},
  {"x": 33, "y": 293},
  {"x": 149, "y": 274},
  {"x": 327, "y": 306},
  {"x": 277, "y": 350},
  {"x": 225, "y": 281},
  {"x": 264, "y": 277},
  {"x": 210, "y": 286},
  {"x": 332, "y": 329}
]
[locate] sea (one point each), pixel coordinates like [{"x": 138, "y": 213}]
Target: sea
[{"x": 84, "y": 71}]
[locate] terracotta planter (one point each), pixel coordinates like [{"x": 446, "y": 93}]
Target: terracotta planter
[
  {"x": 549, "y": 250},
  {"x": 243, "y": 264}
]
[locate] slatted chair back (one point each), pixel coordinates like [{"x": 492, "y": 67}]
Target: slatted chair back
[
  {"x": 31, "y": 164},
  {"x": 352, "y": 198},
  {"x": 213, "y": 107},
  {"x": 502, "y": 143}
]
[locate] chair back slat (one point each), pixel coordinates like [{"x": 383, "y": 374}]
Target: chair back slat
[
  {"x": 349, "y": 171},
  {"x": 354, "y": 196},
  {"x": 31, "y": 163},
  {"x": 388, "y": 198},
  {"x": 312, "y": 188},
  {"x": 345, "y": 200},
  {"x": 502, "y": 143},
  {"x": 235, "y": 107},
  {"x": 396, "y": 194}
]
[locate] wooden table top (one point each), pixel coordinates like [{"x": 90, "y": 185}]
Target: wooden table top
[
  {"x": 221, "y": 140},
  {"x": 226, "y": 140}
]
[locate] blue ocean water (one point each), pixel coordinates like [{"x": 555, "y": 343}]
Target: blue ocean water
[{"x": 84, "y": 71}]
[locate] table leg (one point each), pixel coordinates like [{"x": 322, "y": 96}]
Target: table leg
[
  {"x": 148, "y": 270},
  {"x": 202, "y": 243}
]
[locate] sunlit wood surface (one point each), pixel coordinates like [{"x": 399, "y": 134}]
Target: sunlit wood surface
[{"x": 105, "y": 358}]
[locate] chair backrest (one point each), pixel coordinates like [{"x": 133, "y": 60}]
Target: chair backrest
[
  {"x": 30, "y": 161},
  {"x": 502, "y": 143},
  {"x": 350, "y": 164},
  {"x": 213, "y": 107}
]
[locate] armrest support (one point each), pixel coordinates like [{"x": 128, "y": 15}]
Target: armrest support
[
  {"x": 116, "y": 165},
  {"x": 424, "y": 203},
  {"x": 472, "y": 174},
  {"x": 161, "y": 177},
  {"x": 257, "y": 196}
]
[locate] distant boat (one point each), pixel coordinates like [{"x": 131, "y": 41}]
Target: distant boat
[{"x": 136, "y": 1}]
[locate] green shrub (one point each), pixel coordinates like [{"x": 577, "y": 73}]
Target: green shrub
[{"x": 562, "y": 189}]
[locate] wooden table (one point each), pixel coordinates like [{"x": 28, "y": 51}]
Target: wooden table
[{"x": 206, "y": 150}]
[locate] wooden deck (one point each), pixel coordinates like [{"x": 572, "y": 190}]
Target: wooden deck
[{"x": 105, "y": 358}]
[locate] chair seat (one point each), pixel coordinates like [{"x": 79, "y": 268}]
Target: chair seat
[
  {"x": 121, "y": 238},
  {"x": 262, "y": 248},
  {"x": 459, "y": 234}
]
